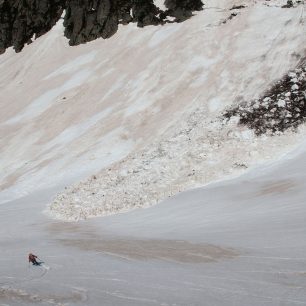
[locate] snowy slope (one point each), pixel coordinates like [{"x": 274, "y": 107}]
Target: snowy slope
[
  {"x": 240, "y": 242},
  {"x": 70, "y": 112},
  {"x": 200, "y": 147}
]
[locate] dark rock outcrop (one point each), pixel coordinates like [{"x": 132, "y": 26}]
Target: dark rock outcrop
[
  {"x": 288, "y": 4},
  {"x": 22, "y": 20},
  {"x": 293, "y": 3},
  {"x": 124, "y": 11},
  {"x": 281, "y": 108},
  {"x": 182, "y": 9},
  {"x": 145, "y": 13},
  {"x": 237, "y": 7},
  {"x": 85, "y": 20},
  {"x": 88, "y": 20}
]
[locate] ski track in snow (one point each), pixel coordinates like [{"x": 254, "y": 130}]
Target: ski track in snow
[{"x": 18, "y": 281}]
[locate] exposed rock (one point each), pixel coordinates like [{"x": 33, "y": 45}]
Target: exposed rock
[
  {"x": 231, "y": 16},
  {"x": 280, "y": 108},
  {"x": 288, "y": 4},
  {"x": 85, "y": 20},
  {"x": 124, "y": 11},
  {"x": 182, "y": 9},
  {"x": 292, "y": 3},
  {"x": 21, "y": 20},
  {"x": 145, "y": 13},
  {"x": 88, "y": 20},
  {"x": 237, "y": 7}
]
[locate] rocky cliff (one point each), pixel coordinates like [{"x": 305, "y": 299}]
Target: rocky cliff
[
  {"x": 24, "y": 20},
  {"x": 84, "y": 20}
]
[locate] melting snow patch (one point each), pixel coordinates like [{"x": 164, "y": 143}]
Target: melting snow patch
[
  {"x": 73, "y": 65},
  {"x": 78, "y": 130},
  {"x": 163, "y": 33},
  {"x": 42, "y": 103}
]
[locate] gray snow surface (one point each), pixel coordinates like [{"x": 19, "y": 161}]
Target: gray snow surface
[{"x": 237, "y": 242}]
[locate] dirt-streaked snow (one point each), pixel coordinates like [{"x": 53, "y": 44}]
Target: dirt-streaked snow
[
  {"x": 146, "y": 81},
  {"x": 217, "y": 66}
]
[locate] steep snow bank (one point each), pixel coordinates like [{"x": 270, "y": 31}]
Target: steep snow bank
[
  {"x": 200, "y": 148},
  {"x": 71, "y": 112},
  {"x": 199, "y": 152}
]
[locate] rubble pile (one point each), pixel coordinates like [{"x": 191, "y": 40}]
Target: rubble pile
[
  {"x": 196, "y": 152},
  {"x": 282, "y": 107}
]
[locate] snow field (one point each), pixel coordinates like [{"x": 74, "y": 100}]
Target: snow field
[
  {"x": 76, "y": 111},
  {"x": 200, "y": 147}
]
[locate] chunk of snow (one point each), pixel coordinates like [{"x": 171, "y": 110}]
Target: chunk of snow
[
  {"x": 247, "y": 135},
  {"x": 281, "y": 103},
  {"x": 294, "y": 80},
  {"x": 234, "y": 120},
  {"x": 267, "y": 99},
  {"x": 160, "y": 4}
]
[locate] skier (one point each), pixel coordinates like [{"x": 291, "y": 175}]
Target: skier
[{"x": 32, "y": 259}]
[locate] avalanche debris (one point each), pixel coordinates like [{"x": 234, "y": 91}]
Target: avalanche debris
[
  {"x": 281, "y": 108},
  {"x": 190, "y": 155}
]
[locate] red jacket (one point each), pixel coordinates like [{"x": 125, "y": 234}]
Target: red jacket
[{"x": 32, "y": 257}]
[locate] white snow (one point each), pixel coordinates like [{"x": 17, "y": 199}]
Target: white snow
[
  {"x": 73, "y": 65},
  {"x": 162, "y": 34},
  {"x": 281, "y": 103},
  {"x": 160, "y": 4},
  {"x": 43, "y": 102},
  {"x": 214, "y": 104}
]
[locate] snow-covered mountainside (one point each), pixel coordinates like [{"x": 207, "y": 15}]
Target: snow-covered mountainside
[
  {"x": 144, "y": 107},
  {"x": 126, "y": 122}
]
